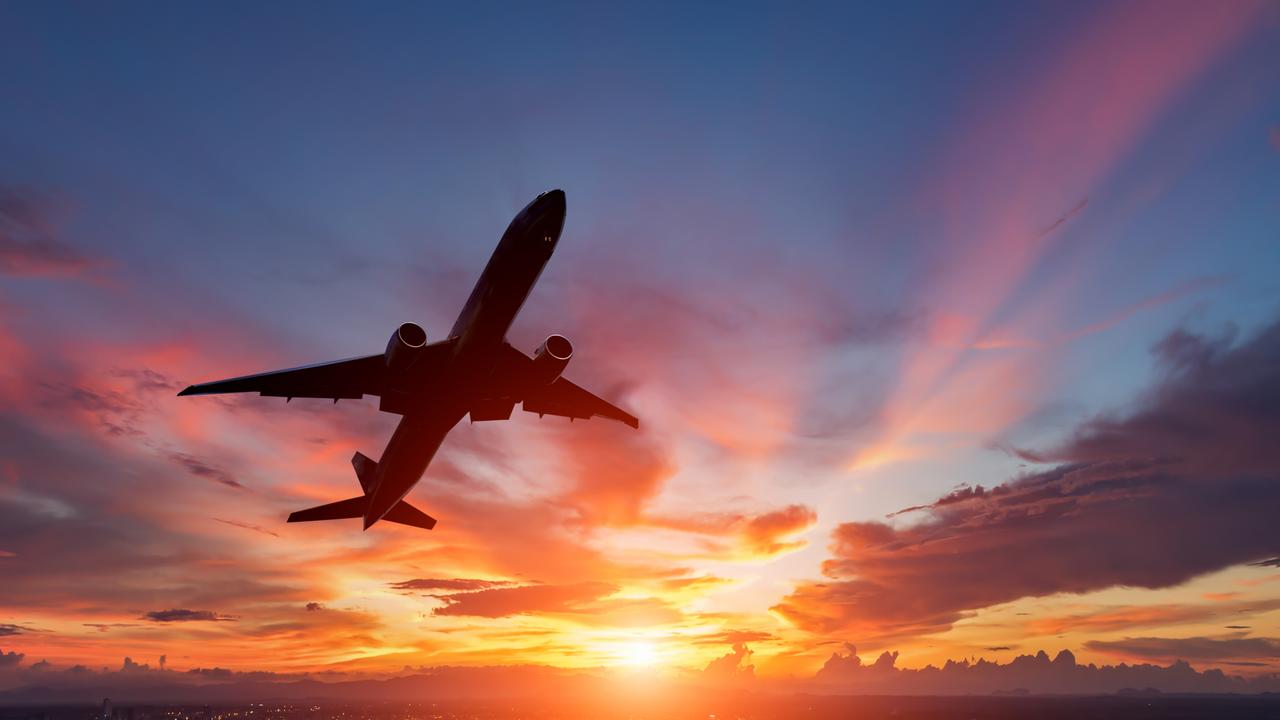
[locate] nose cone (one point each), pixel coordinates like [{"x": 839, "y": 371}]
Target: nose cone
[
  {"x": 551, "y": 202},
  {"x": 541, "y": 220}
]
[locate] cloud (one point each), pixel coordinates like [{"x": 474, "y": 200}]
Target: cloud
[
  {"x": 1191, "y": 648},
  {"x": 11, "y": 658},
  {"x": 763, "y": 533},
  {"x": 314, "y": 606},
  {"x": 182, "y": 615},
  {"x": 757, "y": 536},
  {"x": 29, "y": 240},
  {"x": 8, "y": 629},
  {"x": 203, "y": 469},
  {"x": 734, "y": 637},
  {"x": 104, "y": 627},
  {"x": 1121, "y": 618},
  {"x": 614, "y": 472},
  {"x": 846, "y": 673},
  {"x": 501, "y": 602},
  {"x": 249, "y": 526},
  {"x": 459, "y": 584},
  {"x": 732, "y": 667},
  {"x": 1273, "y": 562},
  {"x": 1178, "y": 487}
]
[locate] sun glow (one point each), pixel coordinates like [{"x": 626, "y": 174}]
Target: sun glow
[{"x": 638, "y": 653}]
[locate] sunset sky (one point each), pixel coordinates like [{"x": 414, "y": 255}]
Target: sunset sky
[{"x": 952, "y": 329}]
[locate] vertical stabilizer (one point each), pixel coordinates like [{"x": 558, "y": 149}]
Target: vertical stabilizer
[{"x": 366, "y": 470}]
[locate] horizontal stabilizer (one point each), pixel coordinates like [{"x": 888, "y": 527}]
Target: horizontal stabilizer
[
  {"x": 341, "y": 510},
  {"x": 402, "y": 513},
  {"x": 406, "y": 514}
]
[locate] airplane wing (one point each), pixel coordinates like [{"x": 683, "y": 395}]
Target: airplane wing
[
  {"x": 562, "y": 397},
  {"x": 348, "y": 379},
  {"x": 568, "y": 400},
  {"x": 341, "y": 379}
]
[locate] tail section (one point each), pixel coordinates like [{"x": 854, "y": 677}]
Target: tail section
[{"x": 366, "y": 470}]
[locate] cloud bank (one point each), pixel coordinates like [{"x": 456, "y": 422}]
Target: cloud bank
[{"x": 1184, "y": 484}]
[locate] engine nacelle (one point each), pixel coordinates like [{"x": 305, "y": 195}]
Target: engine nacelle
[
  {"x": 404, "y": 345},
  {"x": 550, "y": 359}
]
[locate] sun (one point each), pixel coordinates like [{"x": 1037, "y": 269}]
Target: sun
[{"x": 638, "y": 653}]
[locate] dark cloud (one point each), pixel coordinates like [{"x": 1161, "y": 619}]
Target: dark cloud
[
  {"x": 1273, "y": 562},
  {"x": 1181, "y": 486},
  {"x": 103, "y": 627},
  {"x": 8, "y": 629},
  {"x": 130, "y": 666},
  {"x": 959, "y": 495},
  {"x": 998, "y": 648},
  {"x": 846, "y": 673},
  {"x": 146, "y": 381},
  {"x": 458, "y": 584},
  {"x": 183, "y": 615},
  {"x": 249, "y": 526},
  {"x": 501, "y": 602},
  {"x": 1191, "y": 648},
  {"x": 314, "y": 606},
  {"x": 29, "y": 239},
  {"x": 11, "y": 658},
  {"x": 203, "y": 469},
  {"x": 115, "y": 412},
  {"x": 1129, "y": 617}
]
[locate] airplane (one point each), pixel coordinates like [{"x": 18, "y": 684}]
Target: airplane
[{"x": 432, "y": 386}]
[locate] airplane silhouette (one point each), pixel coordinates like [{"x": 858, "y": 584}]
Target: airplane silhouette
[{"x": 433, "y": 385}]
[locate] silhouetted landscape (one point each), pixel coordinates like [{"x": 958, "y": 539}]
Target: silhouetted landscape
[
  {"x": 1135, "y": 707},
  {"x": 843, "y": 674}
]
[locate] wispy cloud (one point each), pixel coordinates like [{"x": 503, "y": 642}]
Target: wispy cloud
[
  {"x": 30, "y": 242},
  {"x": 184, "y": 615}
]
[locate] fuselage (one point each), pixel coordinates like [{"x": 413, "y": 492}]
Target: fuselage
[{"x": 479, "y": 331}]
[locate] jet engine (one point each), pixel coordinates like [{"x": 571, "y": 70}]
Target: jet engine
[
  {"x": 404, "y": 345},
  {"x": 550, "y": 359}
]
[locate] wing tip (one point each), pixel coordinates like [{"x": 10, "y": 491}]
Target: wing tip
[{"x": 188, "y": 390}]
